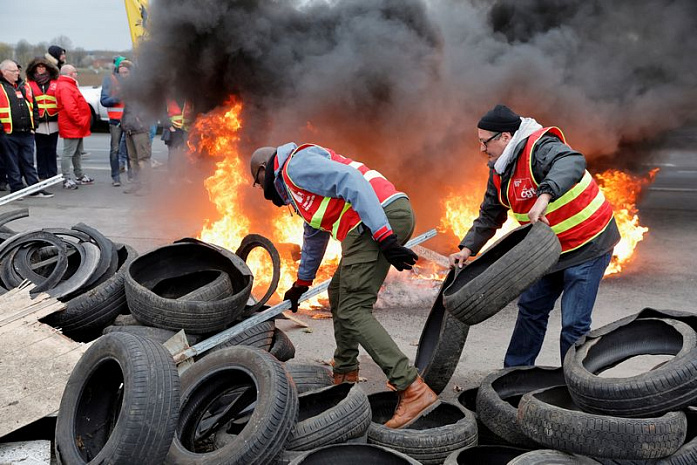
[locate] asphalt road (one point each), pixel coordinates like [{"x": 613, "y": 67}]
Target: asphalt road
[{"x": 662, "y": 274}]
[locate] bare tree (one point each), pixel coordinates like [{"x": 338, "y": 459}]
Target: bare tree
[
  {"x": 78, "y": 57},
  {"x": 24, "y": 52},
  {"x": 63, "y": 41},
  {"x": 6, "y": 51}
]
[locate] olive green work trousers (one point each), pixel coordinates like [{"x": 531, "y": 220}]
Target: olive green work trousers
[{"x": 353, "y": 292}]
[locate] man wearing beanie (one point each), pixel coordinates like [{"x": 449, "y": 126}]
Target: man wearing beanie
[
  {"x": 56, "y": 56},
  {"x": 540, "y": 178}
]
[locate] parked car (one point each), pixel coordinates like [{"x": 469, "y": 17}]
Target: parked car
[{"x": 92, "y": 94}]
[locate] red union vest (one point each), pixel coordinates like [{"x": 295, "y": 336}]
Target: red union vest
[
  {"x": 179, "y": 117},
  {"x": 577, "y": 217},
  {"x": 46, "y": 102},
  {"x": 331, "y": 214},
  {"x": 6, "y": 112},
  {"x": 115, "y": 112}
]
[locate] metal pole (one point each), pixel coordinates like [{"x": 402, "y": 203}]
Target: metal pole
[
  {"x": 39, "y": 186},
  {"x": 269, "y": 313}
]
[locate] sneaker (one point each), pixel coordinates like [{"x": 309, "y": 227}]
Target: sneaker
[
  {"x": 116, "y": 183},
  {"x": 84, "y": 180},
  {"x": 154, "y": 163},
  {"x": 69, "y": 184},
  {"x": 85, "y": 154},
  {"x": 42, "y": 194}
]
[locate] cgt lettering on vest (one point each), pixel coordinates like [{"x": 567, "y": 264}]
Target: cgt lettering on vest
[{"x": 524, "y": 189}]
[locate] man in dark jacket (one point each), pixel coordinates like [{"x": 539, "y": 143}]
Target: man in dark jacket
[
  {"x": 42, "y": 76},
  {"x": 17, "y": 115},
  {"x": 540, "y": 178},
  {"x": 56, "y": 56},
  {"x": 111, "y": 100}
]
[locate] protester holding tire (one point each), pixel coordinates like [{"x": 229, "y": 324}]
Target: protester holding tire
[
  {"x": 356, "y": 205},
  {"x": 534, "y": 173}
]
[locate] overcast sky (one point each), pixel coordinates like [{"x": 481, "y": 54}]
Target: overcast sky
[{"x": 90, "y": 24}]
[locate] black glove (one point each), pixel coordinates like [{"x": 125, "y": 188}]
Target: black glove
[
  {"x": 400, "y": 257},
  {"x": 293, "y": 294}
]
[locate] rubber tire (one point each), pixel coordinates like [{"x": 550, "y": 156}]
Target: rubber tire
[
  {"x": 195, "y": 317},
  {"x": 686, "y": 455},
  {"x": 309, "y": 376},
  {"x": 482, "y": 288},
  {"x": 91, "y": 312},
  {"x": 440, "y": 345},
  {"x": 431, "y": 438},
  {"x": 274, "y": 414},
  {"x": 550, "y": 417},
  {"x": 156, "y": 334},
  {"x": 500, "y": 392},
  {"x": 143, "y": 422},
  {"x": 551, "y": 457},
  {"x": 249, "y": 243},
  {"x": 8, "y": 273},
  {"x": 489, "y": 455},
  {"x": 259, "y": 336},
  {"x": 352, "y": 454},
  {"x": 330, "y": 415},
  {"x": 671, "y": 386},
  {"x": 281, "y": 346}
]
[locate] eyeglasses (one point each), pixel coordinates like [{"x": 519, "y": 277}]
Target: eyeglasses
[
  {"x": 256, "y": 175},
  {"x": 495, "y": 136}
]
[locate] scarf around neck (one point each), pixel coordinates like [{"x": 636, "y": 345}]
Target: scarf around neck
[
  {"x": 527, "y": 127},
  {"x": 42, "y": 78}
]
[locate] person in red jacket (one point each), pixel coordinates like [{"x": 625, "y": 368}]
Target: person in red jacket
[{"x": 74, "y": 119}]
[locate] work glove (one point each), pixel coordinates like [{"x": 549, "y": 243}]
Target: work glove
[
  {"x": 293, "y": 294},
  {"x": 400, "y": 257}
]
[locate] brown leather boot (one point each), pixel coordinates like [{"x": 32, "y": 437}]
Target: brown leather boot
[
  {"x": 350, "y": 377},
  {"x": 412, "y": 401}
]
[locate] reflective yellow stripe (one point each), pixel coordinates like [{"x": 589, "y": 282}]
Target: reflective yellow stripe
[
  {"x": 572, "y": 193},
  {"x": 335, "y": 227},
  {"x": 316, "y": 221},
  {"x": 581, "y": 216}
]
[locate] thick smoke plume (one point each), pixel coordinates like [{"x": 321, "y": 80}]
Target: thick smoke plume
[{"x": 400, "y": 84}]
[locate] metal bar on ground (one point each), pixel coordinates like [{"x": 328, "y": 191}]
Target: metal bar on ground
[
  {"x": 269, "y": 313},
  {"x": 39, "y": 186}
]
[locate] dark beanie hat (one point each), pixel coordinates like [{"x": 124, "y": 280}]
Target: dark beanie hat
[
  {"x": 500, "y": 119},
  {"x": 55, "y": 51}
]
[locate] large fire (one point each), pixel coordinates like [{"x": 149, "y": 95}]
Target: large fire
[
  {"x": 620, "y": 189},
  {"x": 216, "y": 135}
]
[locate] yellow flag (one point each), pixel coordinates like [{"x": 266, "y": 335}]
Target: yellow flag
[{"x": 137, "y": 12}]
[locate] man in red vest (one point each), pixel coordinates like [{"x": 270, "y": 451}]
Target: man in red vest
[
  {"x": 344, "y": 199},
  {"x": 540, "y": 178},
  {"x": 42, "y": 76}
]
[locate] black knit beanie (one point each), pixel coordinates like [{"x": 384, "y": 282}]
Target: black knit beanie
[
  {"x": 500, "y": 119},
  {"x": 55, "y": 51}
]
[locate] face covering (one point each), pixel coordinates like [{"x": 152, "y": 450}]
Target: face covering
[{"x": 42, "y": 78}]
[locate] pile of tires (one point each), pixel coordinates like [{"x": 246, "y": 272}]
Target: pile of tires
[{"x": 580, "y": 414}]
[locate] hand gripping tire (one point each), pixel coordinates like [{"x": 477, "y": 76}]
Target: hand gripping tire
[
  {"x": 120, "y": 405},
  {"x": 500, "y": 274}
]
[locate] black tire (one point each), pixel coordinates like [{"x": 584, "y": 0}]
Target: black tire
[
  {"x": 92, "y": 311},
  {"x": 156, "y": 334},
  {"x": 10, "y": 278},
  {"x": 195, "y": 317},
  {"x": 489, "y": 455},
  {"x": 686, "y": 455},
  {"x": 550, "y": 417},
  {"x": 440, "y": 345},
  {"x": 281, "y": 346},
  {"x": 106, "y": 258},
  {"x": 430, "y": 438},
  {"x": 500, "y": 392},
  {"x": 249, "y": 243},
  {"x": 309, "y": 376},
  {"x": 120, "y": 405},
  {"x": 242, "y": 390},
  {"x": 331, "y": 415},
  {"x": 551, "y": 457},
  {"x": 352, "y": 454},
  {"x": 259, "y": 336},
  {"x": 500, "y": 274},
  {"x": 671, "y": 386},
  {"x": 11, "y": 216}
]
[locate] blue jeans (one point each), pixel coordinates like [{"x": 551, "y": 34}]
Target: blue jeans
[
  {"x": 579, "y": 286},
  {"x": 19, "y": 160}
]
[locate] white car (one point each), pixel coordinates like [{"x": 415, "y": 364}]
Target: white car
[{"x": 93, "y": 94}]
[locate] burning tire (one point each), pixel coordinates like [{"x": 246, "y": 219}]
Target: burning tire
[
  {"x": 550, "y": 417},
  {"x": 500, "y": 274},
  {"x": 281, "y": 346},
  {"x": 331, "y": 415},
  {"x": 120, "y": 404},
  {"x": 352, "y": 454},
  {"x": 490, "y": 455},
  {"x": 430, "y": 438},
  {"x": 90, "y": 312},
  {"x": 440, "y": 346},
  {"x": 669, "y": 386},
  {"x": 499, "y": 393},
  {"x": 179, "y": 259},
  {"x": 249, "y": 243},
  {"x": 309, "y": 376},
  {"x": 551, "y": 457},
  {"x": 242, "y": 391}
]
